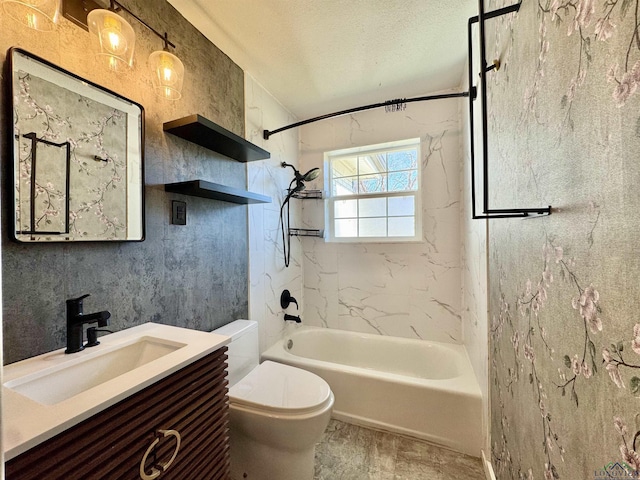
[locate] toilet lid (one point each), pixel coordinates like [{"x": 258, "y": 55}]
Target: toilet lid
[{"x": 282, "y": 388}]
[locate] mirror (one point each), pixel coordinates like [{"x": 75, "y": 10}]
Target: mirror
[{"x": 77, "y": 157}]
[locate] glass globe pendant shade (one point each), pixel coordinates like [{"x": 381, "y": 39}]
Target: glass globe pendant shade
[
  {"x": 113, "y": 39},
  {"x": 168, "y": 74},
  {"x": 36, "y": 14}
]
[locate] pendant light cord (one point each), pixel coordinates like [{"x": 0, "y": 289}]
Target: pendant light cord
[{"x": 115, "y": 6}]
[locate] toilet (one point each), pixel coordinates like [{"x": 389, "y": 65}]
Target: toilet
[{"x": 277, "y": 413}]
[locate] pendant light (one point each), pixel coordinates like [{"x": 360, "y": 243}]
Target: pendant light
[
  {"x": 168, "y": 74},
  {"x": 113, "y": 38},
  {"x": 36, "y": 14}
]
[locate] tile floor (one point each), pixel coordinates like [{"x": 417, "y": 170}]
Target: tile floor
[{"x": 349, "y": 452}]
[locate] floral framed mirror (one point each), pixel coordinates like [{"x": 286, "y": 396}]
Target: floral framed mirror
[{"x": 77, "y": 150}]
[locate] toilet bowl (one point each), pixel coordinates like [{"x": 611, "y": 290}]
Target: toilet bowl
[{"x": 277, "y": 413}]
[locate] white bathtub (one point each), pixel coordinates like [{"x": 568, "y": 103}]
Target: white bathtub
[{"x": 419, "y": 388}]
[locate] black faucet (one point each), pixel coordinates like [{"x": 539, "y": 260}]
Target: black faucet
[
  {"x": 293, "y": 318},
  {"x": 76, "y": 319}
]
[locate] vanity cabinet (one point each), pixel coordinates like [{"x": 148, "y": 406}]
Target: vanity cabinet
[{"x": 179, "y": 425}]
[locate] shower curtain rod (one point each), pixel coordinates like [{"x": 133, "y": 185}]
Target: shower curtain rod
[{"x": 398, "y": 101}]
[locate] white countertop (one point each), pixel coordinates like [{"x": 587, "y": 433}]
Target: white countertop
[{"x": 26, "y": 423}]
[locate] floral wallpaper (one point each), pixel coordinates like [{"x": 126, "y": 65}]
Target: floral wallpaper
[
  {"x": 564, "y": 346},
  {"x": 55, "y": 119}
]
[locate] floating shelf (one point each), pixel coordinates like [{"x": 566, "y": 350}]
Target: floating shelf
[
  {"x": 215, "y": 191},
  {"x": 205, "y": 133}
]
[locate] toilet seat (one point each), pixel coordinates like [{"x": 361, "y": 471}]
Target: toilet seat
[{"x": 280, "y": 389}]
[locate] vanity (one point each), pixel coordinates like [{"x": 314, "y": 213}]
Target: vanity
[{"x": 148, "y": 402}]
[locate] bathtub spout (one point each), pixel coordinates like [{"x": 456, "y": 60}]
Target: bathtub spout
[{"x": 293, "y": 318}]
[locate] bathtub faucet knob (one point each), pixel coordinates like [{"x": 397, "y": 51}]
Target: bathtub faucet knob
[
  {"x": 293, "y": 318},
  {"x": 286, "y": 299}
]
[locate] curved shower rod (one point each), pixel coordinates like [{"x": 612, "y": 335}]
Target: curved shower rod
[
  {"x": 472, "y": 94},
  {"x": 388, "y": 103}
]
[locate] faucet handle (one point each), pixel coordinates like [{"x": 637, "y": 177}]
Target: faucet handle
[
  {"x": 286, "y": 299},
  {"x": 79, "y": 299},
  {"x": 74, "y": 306}
]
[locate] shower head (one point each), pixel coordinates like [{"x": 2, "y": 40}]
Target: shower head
[
  {"x": 299, "y": 179},
  {"x": 311, "y": 175}
]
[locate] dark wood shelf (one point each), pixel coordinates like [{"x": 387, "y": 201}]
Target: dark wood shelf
[
  {"x": 215, "y": 191},
  {"x": 205, "y": 133}
]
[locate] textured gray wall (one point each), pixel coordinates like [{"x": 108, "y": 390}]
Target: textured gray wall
[{"x": 193, "y": 276}]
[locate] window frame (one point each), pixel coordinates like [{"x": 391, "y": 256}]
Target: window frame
[{"x": 332, "y": 198}]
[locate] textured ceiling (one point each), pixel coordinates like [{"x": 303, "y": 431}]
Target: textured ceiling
[{"x": 319, "y": 56}]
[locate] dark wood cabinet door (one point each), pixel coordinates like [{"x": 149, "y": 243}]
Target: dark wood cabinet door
[{"x": 190, "y": 405}]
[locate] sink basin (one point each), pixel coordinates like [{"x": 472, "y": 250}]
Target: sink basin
[
  {"x": 49, "y": 393},
  {"x": 90, "y": 369}
]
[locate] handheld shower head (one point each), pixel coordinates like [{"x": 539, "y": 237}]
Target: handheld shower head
[{"x": 298, "y": 180}]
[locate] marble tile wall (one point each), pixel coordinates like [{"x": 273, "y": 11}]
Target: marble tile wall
[
  {"x": 193, "y": 276},
  {"x": 401, "y": 289},
  {"x": 267, "y": 274}
]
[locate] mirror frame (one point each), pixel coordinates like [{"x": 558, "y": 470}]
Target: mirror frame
[{"x": 12, "y": 149}]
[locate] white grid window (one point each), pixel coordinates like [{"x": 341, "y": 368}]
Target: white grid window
[{"x": 374, "y": 193}]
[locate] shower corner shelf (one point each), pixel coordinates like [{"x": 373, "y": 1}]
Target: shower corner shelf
[
  {"x": 202, "y": 131},
  {"x": 306, "y": 232},
  {"x": 308, "y": 194},
  {"x": 215, "y": 191}
]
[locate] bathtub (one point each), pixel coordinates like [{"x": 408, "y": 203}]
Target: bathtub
[{"x": 418, "y": 388}]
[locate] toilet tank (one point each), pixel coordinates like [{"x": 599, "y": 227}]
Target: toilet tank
[{"x": 244, "y": 351}]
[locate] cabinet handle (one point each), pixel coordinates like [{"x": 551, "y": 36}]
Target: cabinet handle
[{"x": 155, "y": 472}]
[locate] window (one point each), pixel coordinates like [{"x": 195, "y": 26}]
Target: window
[{"x": 374, "y": 193}]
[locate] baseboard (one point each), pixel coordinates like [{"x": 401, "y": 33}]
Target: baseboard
[{"x": 488, "y": 469}]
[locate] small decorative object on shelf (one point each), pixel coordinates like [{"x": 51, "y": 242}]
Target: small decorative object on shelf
[
  {"x": 307, "y": 194},
  {"x": 306, "y": 232}
]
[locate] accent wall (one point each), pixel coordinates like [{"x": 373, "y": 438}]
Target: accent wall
[
  {"x": 194, "y": 276},
  {"x": 564, "y": 130}
]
